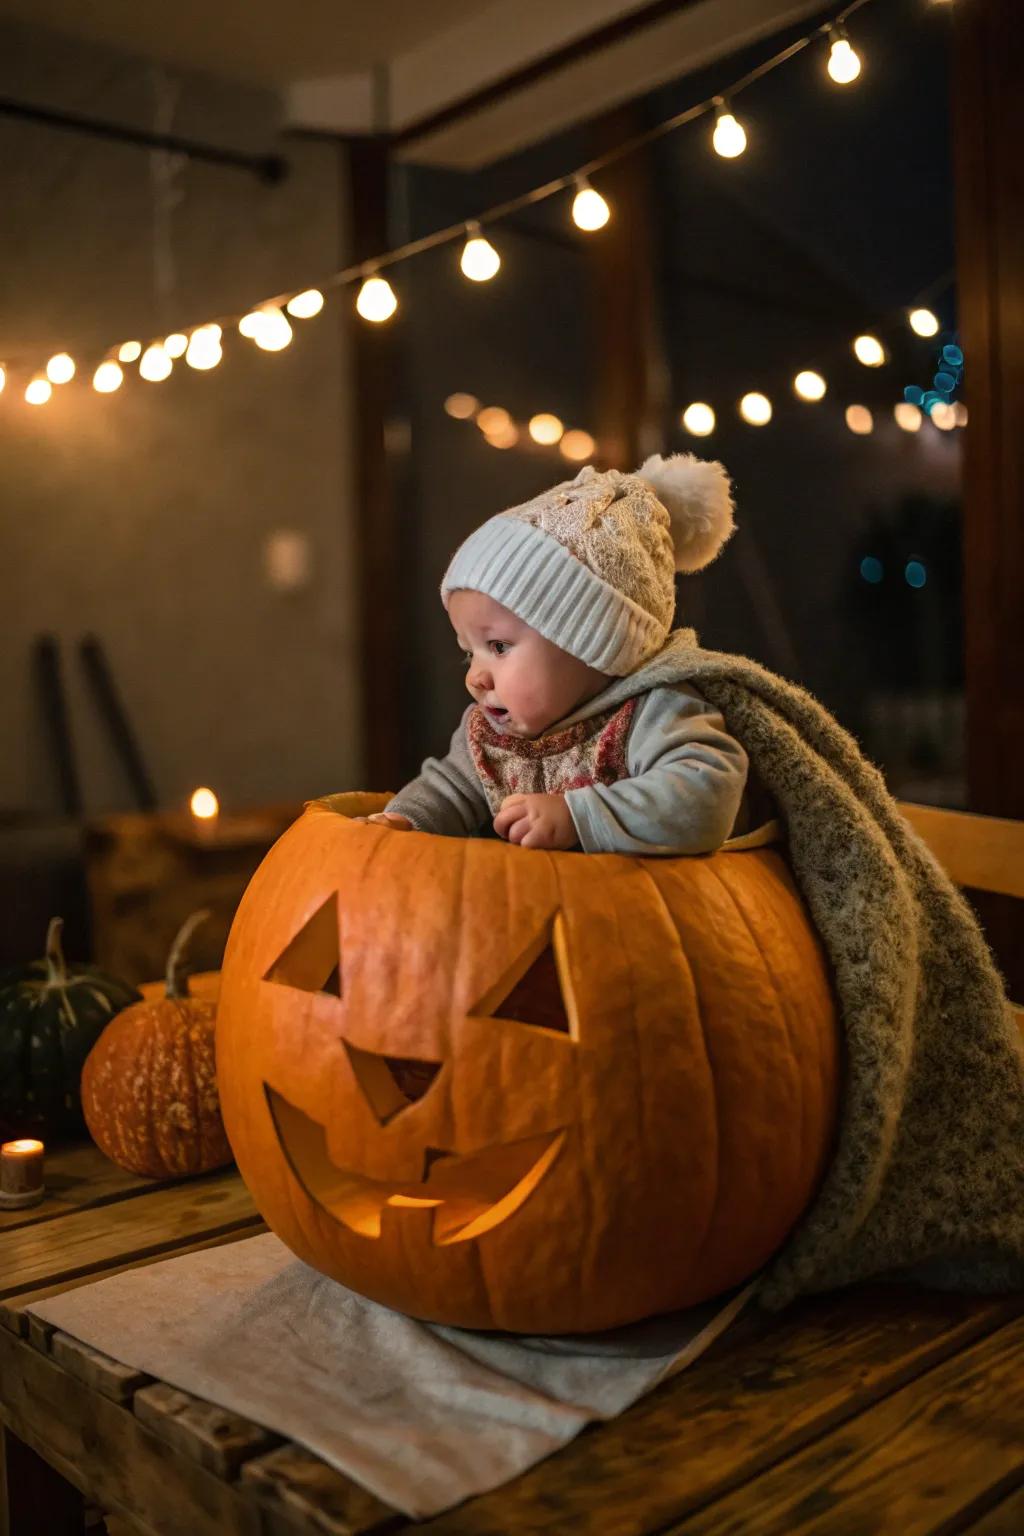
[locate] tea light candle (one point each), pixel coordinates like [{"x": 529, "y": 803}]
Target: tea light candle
[
  {"x": 21, "y": 1173},
  {"x": 205, "y": 809}
]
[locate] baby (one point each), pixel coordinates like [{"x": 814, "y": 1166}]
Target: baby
[{"x": 562, "y": 608}]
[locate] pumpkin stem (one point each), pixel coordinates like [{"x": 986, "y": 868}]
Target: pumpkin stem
[
  {"x": 176, "y": 979},
  {"x": 56, "y": 965}
]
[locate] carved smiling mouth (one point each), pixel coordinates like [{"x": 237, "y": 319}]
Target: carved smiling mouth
[{"x": 469, "y": 1194}]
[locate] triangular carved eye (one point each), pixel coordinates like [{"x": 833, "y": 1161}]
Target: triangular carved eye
[
  {"x": 390, "y": 1083},
  {"x": 535, "y": 990},
  {"x": 312, "y": 961}
]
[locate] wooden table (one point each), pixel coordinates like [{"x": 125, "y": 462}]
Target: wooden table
[{"x": 883, "y": 1409}]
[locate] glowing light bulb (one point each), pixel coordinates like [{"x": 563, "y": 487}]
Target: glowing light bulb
[
  {"x": 204, "y": 804},
  {"x": 923, "y": 322},
  {"x": 810, "y": 385},
  {"x": 859, "y": 420},
  {"x": 306, "y": 304},
  {"x": 506, "y": 437},
  {"x": 729, "y": 137},
  {"x": 589, "y": 209},
  {"x": 943, "y": 415},
  {"x": 60, "y": 369},
  {"x": 869, "y": 351},
  {"x": 3, "y": 380},
  {"x": 462, "y": 406},
  {"x": 493, "y": 418},
  {"x": 108, "y": 377},
  {"x": 129, "y": 351},
  {"x": 39, "y": 391},
  {"x": 577, "y": 446},
  {"x": 843, "y": 61},
  {"x": 204, "y": 348},
  {"x": 376, "y": 300},
  {"x": 175, "y": 344},
  {"x": 273, "y": 333},
  {"x": 698, "y": 419},
  {"x": 545, "y": 429},
  {"x": 154, "y": 364},
  {"x": 908, "y": 416},
  {"x": 480, "y": 261},
  {"x": 249, "y": 325},
  {"x": 756, "y": 409}
]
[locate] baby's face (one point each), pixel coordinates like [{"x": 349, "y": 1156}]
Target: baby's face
[{"x": 521, "y": 681}]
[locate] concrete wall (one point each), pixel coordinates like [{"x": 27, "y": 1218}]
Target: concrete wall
[{"x": 143, "y": 517}]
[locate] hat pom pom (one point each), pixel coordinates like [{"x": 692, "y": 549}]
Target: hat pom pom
[{"x": 697, "y": 495}]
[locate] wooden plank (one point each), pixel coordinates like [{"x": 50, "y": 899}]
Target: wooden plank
[
  {"x": 299, "y": 1491},
  {"x": 103, "y": 1449},
  {"x": 218, "y": 1439},
  {"x": 766, "y": 1389},
  {"x": 39, "y": 1333},
  {"x": 920, "y": 1462},
  {"x": 14, "y": 1316},
  {"x": 985, "y": 853},
  {"x": 149, "y": 1226},
  {"x": 105, "y": 1375},
  {"x": 76, "y": 1177},
  {"x": 1007, "y": 1519}
]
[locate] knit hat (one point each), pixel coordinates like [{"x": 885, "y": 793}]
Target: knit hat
[{"x": 590, "y": 564}]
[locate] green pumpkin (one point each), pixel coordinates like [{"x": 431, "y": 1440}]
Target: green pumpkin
[{"x": 51, "y": 1015}]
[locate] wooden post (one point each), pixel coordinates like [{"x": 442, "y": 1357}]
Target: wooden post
[{"x": 988, "y": 63}]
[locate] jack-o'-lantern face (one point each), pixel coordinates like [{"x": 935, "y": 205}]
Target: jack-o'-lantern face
[{"x": 478, "y": 1083}]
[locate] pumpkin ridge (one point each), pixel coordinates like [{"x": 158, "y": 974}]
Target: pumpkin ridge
[
  {"x": 779, "y": 993},
  {"x": 713, "y": 1203}
]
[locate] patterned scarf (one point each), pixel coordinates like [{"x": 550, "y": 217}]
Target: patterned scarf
[{"x": 592, "y": 751}]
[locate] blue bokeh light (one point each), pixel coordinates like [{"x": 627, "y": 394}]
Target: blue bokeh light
[
  {"x": 953, "y": 356},
  {"x": 914, "y": 393},
  {"x": 871, "y": 569},
  {"x": 945, "y": 383},
  {"x": 915, "y": 573}
]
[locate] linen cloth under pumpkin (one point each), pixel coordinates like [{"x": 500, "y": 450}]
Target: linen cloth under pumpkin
[{"x": 927, "y": 1177}]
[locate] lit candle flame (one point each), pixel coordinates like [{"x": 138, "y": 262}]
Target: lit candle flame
[{"x": 204, "y": 804}]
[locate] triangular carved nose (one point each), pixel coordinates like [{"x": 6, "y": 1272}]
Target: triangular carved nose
[{"x": 390, "y": 1083}]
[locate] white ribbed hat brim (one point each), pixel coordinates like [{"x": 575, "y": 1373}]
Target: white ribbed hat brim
[{"x": 541, "y": 582}]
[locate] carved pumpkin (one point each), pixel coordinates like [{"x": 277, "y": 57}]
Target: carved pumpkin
[
  {"x": 504, "y": 1088},
  {"x": 149, "y": 1087}
]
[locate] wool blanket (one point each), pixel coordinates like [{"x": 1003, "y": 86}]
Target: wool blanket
[{"x": 927, "y": 1178}]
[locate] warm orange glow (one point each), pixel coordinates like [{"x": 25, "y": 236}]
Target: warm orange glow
[{"x": 23, "y": 1148}]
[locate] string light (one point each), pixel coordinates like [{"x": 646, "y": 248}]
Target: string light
[
  {"x": 589, "y": 209},
  {"x": 39, "y": 391},
  {"x": 943, "y": 416},
  {"x": 204, "y": 348},
  {"x": 60, "y": 369},
  {"x": 480, "y": 261},
  {"x": 698, "y": 419},
  {"x": 176, "y": 345},
  {"x": 729, "y": 137},
  {"x": 493, "y": 419},
  {"x": 273, "y": 333},
  {"x": 923, "y": 322},
  {"x": 545, "y": 429},
  {"x": 129, "y": 351},
  {"x": 577, "y": 446},
  {"x": 376, "y": 300},
  {"x": 756, "y": 409},
  {"x": 462, "y": 407},
  {"x": 869, "y": 351},
  {"x": 859, "y": 420},
  {"x": 506, "y": 436},
  {"x": 810, "y": 385},
  {"x": 154, "y": 363},
  {"x": 908, "y": 416},
  {"x": 843, "y": 60},
  {"x": 306, "y": 304},
  {"x": 108, "y": 377}
]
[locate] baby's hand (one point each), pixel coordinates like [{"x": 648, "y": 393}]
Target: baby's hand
[
  {"x": 389, "y": 819},
  {"x": 536, "y": 821}
]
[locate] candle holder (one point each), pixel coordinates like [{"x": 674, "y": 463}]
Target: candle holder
[{"x": 21, "y": 1174}]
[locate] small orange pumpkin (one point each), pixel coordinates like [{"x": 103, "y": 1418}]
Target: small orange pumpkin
[
  {"x": 149, "y": 1086},
  {"x": 505, "y": 1088}
]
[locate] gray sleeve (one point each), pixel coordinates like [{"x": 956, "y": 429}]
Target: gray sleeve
[
  {"x": 687, "y": 776},
  {"x": 446, "y": 797}
]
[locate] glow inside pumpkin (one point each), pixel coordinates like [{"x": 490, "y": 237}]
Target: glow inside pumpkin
[{"x": 503, "y": 1088}]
